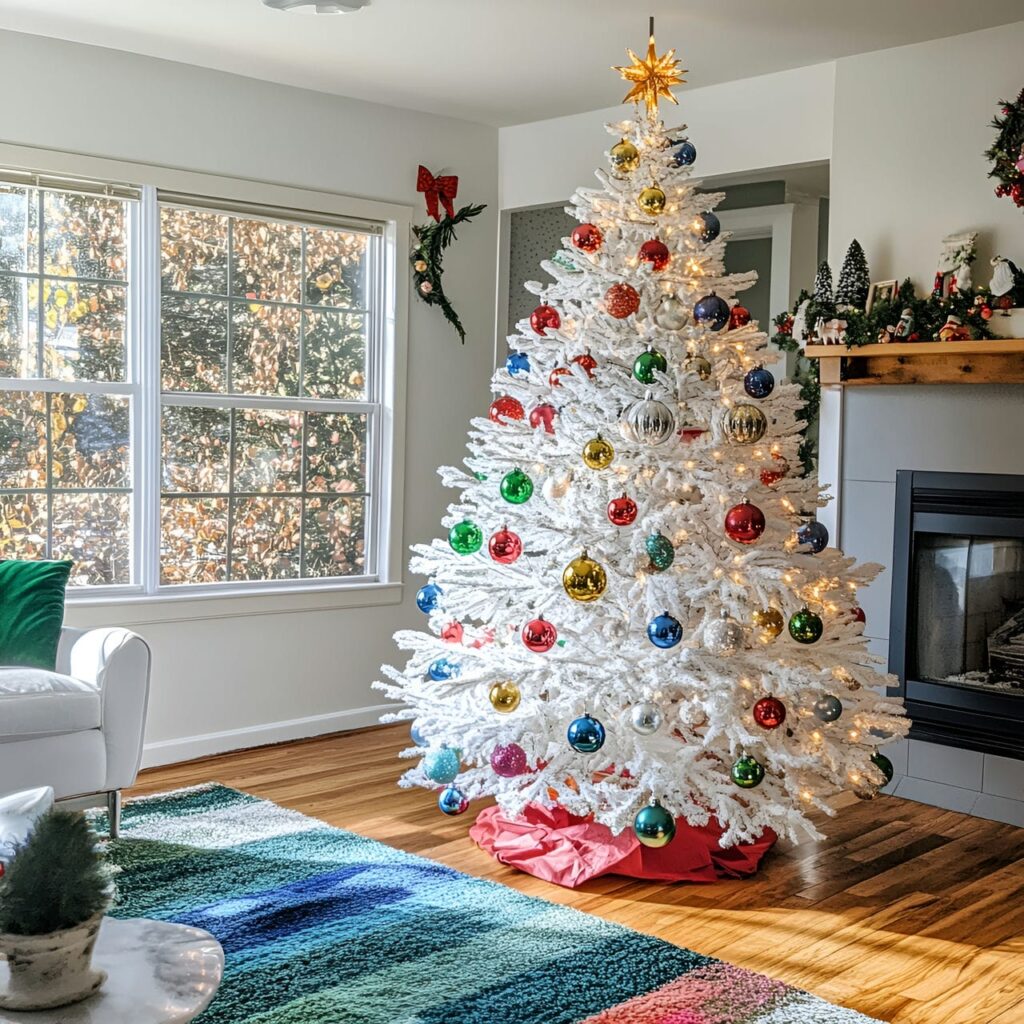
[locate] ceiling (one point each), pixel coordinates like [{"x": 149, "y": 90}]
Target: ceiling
[{"x": 498, "y": 61}]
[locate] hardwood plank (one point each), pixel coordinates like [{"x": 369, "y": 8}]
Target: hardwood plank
[{"x": 905, "y": 912}]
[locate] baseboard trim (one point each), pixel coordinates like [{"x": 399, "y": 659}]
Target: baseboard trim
[{"x": 188, "y": 748}]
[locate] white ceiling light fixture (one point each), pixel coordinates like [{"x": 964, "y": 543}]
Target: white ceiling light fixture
[{"x": 321, "y": 6}]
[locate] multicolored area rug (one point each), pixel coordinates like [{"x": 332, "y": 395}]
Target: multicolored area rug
[{"x": 321, "y": 926}]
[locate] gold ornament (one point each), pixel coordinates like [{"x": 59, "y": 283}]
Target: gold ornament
[
  {"x": 746, "y": 424},
  {"x": 598, "y": 453},
  {"x": 769, "y": 623},
  {"x": 624, "y": 156},
  {"x": 652, "y": 76},
  {"x": 505, "y": 697},
  {"x": 584, "y": 579},
  {"x": 420, "y": 266},
  {"x": 651, "y": 200},
  {"x": 699, "y": 365}
]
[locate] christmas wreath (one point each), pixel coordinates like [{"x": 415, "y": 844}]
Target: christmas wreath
[{"x": 1007, "y": 152}]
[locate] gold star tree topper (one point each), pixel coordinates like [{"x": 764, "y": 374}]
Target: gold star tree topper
[{"x": 653, "y": 76}]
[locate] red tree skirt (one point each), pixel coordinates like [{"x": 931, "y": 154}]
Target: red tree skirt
[{"x": 567, "y": 850}]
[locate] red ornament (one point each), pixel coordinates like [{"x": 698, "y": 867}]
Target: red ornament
[
  {"x": 621, "y": 300},
  {"x": 505, "y": 546},
  {"x": 1005, "y": 302},
  {"x": 786, "y": 327},
  {"x": 656, "y": 253},
  {"x": 690, "y": 434},
  {"x": 986, "y": 312},
  {"x": 739, "y": 316},
  {"x": 544, "y": 318},
  {"x": 858, "y": 614},
  {"x": 622, "y": 511},
  {"x": 544, "y": 415},
  {"x": 587, "y": 237},
  {"x": 506, "y": 408},
  {"x": 769, "y": 712},
  {"x": 452, "y": 633},
  {"x": 771, "y": 475},
  {"x": 588, "y": 362},
  {"x": 744, "y": 523},
  {"x": 558, "y": 371},
  {"x": 539, "y": 635}
]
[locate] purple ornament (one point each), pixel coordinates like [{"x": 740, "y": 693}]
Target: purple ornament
[{"x": 508, "y": 761}]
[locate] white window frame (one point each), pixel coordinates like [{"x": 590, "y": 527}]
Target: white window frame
[{"x": 385, "y": 449}]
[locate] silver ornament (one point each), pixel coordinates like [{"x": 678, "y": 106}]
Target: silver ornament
[
  {"x": 671, "y": 314},
  {"x": 645, "y": 718},
  {"x": 828, "y": 708},
  {"x": 648, "y": 422},
  {"x": 723, "y": 637}
]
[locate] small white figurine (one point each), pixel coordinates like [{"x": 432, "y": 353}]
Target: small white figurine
[
  {"x": 955, "y": 258},
  {"x": 800, "y": 321},
  {"x": 1004, "y": 276},
  {"x": 832, "y": 332}
]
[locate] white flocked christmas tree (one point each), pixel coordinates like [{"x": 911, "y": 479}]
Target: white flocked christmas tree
[{"x": 634, "y": 614}]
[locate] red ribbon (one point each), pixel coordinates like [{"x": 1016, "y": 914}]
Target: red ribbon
[{"x": 441, "y": 189}]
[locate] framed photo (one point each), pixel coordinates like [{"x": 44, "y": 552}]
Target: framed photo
[{"x": 882, "y": 291}]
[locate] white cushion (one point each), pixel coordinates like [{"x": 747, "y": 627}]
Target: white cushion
[
  {"x": 18, "y": 813},
  {"x": 34, "y": 702}
]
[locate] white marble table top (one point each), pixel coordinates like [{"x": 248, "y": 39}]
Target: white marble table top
[{"x": 158, "y": 973}]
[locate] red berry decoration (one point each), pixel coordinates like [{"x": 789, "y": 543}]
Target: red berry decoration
[
  {"x": 505, "y": 546},
  {"x": 771, "y": 475},
  {"x": 545, "y": 318},
  {"x": 986, "y": 312},
  {"x": 744, "y": 523},
  {"x": 506, "y": 408},
  {"x": 621, "y": 300},
  {"x": 769, "y": 712},
  {"x": 588, "y": 362},
  {"x": 452, "y": 633},
  {"x": 739, "y": 316},
  {"x": 543, "y": 415},
  {"x": 656, "y": 253},
  {"x": 622, "y": 511},
  {"x": 587, "y": 237},
  {"x": 858, "y": 614},
  {"x": 539, "y": 635}
]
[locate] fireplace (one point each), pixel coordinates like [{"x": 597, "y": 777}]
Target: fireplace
[{"x": 956, "y": 639}]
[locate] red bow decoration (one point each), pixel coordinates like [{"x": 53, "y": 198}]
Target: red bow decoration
[{"x": 443, "y": 188}]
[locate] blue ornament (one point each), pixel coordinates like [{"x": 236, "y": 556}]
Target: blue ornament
[
  {"x": 428, "y": 596},
  {"x": 517, "y": 362},
  {"x": 417, "y": 737},
  {"x": 586, "y": 735},
  {"x": 452, "y": 801},
  {"x": 759, "y": 382},
  {"x": 664, "y": 631},
  {"x": 711, "y": 227},
  {"x": 443, "y": 669},
  {"x": 442, "y": 764},
  {"x": 813, "y": 535},
  {"x": 711, "y": 311},
  {"x": 685, "y": 155}
]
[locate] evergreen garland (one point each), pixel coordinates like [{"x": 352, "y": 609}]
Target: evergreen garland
[
  {"x": 1008, "y": 149},
  {"x": 56, "y": 879},
  {"x": 432, "y": 240}
]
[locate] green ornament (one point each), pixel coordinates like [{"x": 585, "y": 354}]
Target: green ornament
[
  {"x": 516, "y": 487},
  {"x": 480, "y": 476},
  {"x": 660, "y": 550},
  {"x": 747, "y": 772},
  {"x": 884, "y": 765},
  {"x": 654, "y": 826},
  {"x": 805, "y": 627},
  {"x": 465, "y": 537},
  {"x": 645, "y": 365}
]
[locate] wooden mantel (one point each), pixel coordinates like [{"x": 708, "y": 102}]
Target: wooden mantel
[{"x": 994, "y": 361}]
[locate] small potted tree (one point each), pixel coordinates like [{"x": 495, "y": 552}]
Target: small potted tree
[{"x": 53, "y": 893}]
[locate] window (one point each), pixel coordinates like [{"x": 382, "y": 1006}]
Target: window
[{"x": 191, "y": 391}]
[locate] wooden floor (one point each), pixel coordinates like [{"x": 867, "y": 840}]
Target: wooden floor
[{"x": 907, "y": 913}]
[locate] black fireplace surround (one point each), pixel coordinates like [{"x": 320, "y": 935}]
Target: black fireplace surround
[{"x": 956, "y": 639}]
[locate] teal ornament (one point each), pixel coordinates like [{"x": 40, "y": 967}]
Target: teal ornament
[
  {"x": 442, "y": 764},
  {"x": 805, "y": 627},
  {"x": 660, "y": 551},
  {"x": 828, "y": 708},
  {"x": 586, "y": 734},
  {"x": 654, "y": 826},
  {"x": 516, "y": 487},
  {"x": 747, "y": 772},
  {"x": 884, "y": 765},
  {"x": 452, "y": 801}
]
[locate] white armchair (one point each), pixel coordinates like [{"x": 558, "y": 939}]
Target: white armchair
[{"x": 78, "y": 729}]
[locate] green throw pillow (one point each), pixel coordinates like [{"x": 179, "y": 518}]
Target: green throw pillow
[{"x": 31, "y": 612}]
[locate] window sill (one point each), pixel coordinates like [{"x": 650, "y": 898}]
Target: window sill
[{"x": 146, "y": 609}]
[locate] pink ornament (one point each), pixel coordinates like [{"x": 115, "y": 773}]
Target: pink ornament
[
  {"x": 543, "y": 415},
  {"x": 508, "y": 761},
  {"x": 452, "y": 633}
]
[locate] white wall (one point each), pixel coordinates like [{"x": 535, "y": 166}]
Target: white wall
[
  {"x": 241, "y": 671},
  {"x": 907, "y": 168},
  {"x": 754, "y": 124}
]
